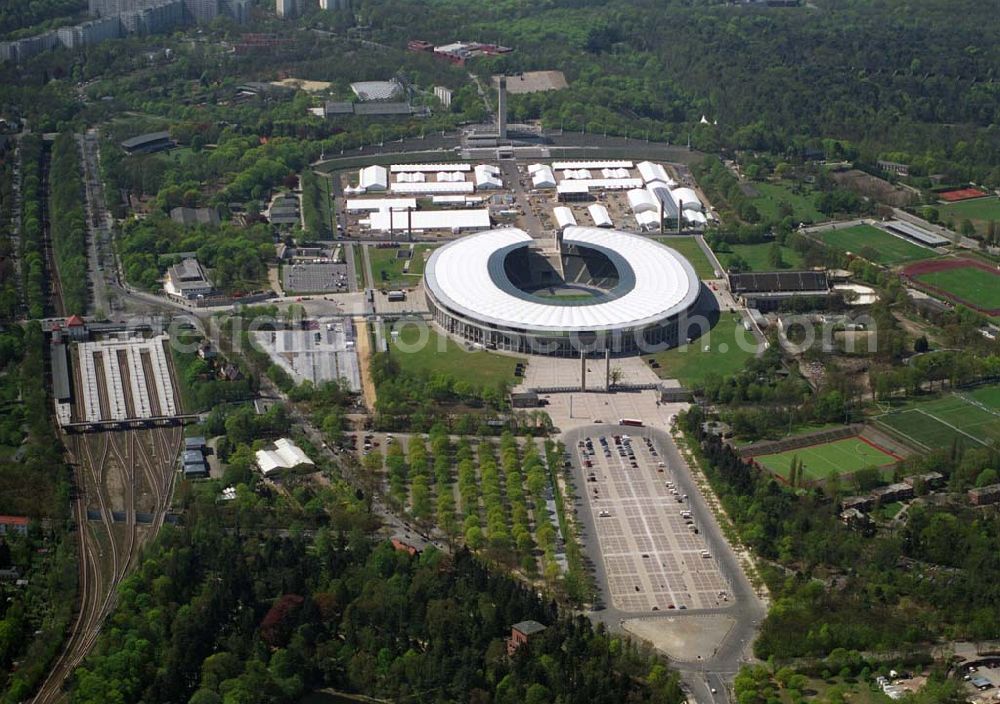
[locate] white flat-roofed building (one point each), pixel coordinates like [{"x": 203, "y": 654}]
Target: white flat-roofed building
[
  {"x": 421, "y": 221},
  {"x": 641, "y": 200},
  {"x": 285, "y": 455},
  {"x": 532, "y": 168},
  {"x": 432, "y": 187},
  {"x": 413, "y": 168},
  {"x": 652, "y": 172},
  {"x": 613, "y": 164},
  {"x": 599, "y": 214},
  {"x": 543, "y": 178},
  {"x": 373, "y": 178},
  {"x": 449, "y": 200},
  {"x": 368, "y": 205},
  {"x": 564, "y": 217},
  {"x": 606, "y": 184},
  {"x": 572, "y": 190}
]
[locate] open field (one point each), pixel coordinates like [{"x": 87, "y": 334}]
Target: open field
[
  {"x": 688, "y": 246},
  {"x": 965, "y": 281},
  {"x": 441, "y": 354},
  {"x": 729, "y": 347},
  {"x": 874, "y": 244},
  {"x": 970, "y": 417},
  {"x": 978, "y": 210},
  {"x": 772, "y": 195},
  {"x": 387, "y": 265},
  {"x": 757, "y": 256},
  {"x": 821, "y": 461}
]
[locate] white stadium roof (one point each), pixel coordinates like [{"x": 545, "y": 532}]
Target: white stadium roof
[
  {"x": 467, "y": 277},
  {"x": 413, "y": 168}
]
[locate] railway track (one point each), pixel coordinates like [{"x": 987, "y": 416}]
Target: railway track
[{"x": 145, "y": 459}]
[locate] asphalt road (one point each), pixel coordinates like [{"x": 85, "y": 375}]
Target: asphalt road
[{"x": 745, "y": 609}]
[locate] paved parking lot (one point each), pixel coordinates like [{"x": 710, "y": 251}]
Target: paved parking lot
[
  {"x": 315, "y": 277},
  {"x": 653, "y": 558}
]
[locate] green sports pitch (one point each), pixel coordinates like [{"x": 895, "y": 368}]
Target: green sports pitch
[
  {"x": 971, "y": 418},
  {"x": 824, "y": 460},
  {"x": 876, "y": 244}
]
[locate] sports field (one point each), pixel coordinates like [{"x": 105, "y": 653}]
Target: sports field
[
  {"x": 970, "y": 417},
  {"x": 875, "y": 244},
  {"x": 978, "y": 210},
  {"x": 977, "y": 286},
  {"x": 821, "y": 461}
]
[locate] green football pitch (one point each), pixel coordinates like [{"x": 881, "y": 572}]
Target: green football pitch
[
  {"x": 969, "y": 417},
  {"x": 822, "y": 461}
]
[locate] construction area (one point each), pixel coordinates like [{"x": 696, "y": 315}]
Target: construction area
[{"x": 319, "y": 354}]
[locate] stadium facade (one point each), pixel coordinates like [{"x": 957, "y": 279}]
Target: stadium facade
[{"x": 598, "y": 289}]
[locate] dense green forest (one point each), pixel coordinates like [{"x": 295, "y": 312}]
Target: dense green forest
[
  {"x": 913, "y": 80},
  {"x": 68, "y": 223},
  {"x": 236, "y": 256},
  {"x": 218, "y": 611},
  {"x": 33, "y": 617},
  {"x": 938, "y": 576}
]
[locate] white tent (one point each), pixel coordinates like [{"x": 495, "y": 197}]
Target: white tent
[
  {"x": 652, "y": 172},
  {"x": 640, "y": 200},
  {"x": 374, "y": 178},
  {"x": 564, "y": 216},
  {"x": 543, "y": 178},
  {"x": 599, "y": 214},
  {"x": 285, "y": 455}
]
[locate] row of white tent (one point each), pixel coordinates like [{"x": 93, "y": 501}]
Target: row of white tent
[
  {"x": 598, "y": 213},
  {"x": 450, "y": 179}
]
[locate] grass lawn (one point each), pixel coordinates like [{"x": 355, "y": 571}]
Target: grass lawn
[
  {"x": 359, "y": 265},
  {"x": 688, "y": 246},
  {"x": 441, "y": 354},
  {"x": 875, "y": 244},
  {"x": 757, "y": 256},
  {"x": 979, "y": 210},
  {"x": 971, "y": 417},
  {"x": 773, "y": 194},
  {"x": 968, "y": 283},
  {"x": 387, "y": 266},
  {"x": 690, "y": 364},
  {"x": 821, "y": 461}
]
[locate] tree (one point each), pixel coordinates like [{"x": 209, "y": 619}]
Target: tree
[
  {"x": 774, "y": 256},
  {"x": 987, "y": 477}
]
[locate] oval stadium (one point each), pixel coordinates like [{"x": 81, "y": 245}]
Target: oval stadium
[{"x": 592, "y": 289}]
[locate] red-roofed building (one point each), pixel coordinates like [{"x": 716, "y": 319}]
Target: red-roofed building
[
  {"x": 402, "y": 546},
  {"x": 14, "y": 525},
  {"x": 76, "y": 327}
]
